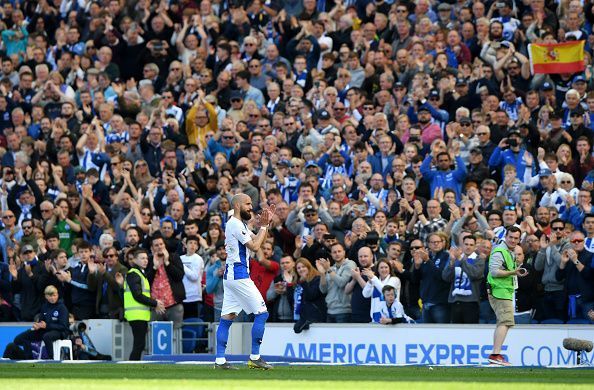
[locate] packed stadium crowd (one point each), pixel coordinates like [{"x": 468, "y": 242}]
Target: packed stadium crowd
[{"x": 398, "y": 140}]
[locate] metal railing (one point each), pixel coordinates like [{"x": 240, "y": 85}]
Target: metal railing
[{"x": 196, "y": 337}]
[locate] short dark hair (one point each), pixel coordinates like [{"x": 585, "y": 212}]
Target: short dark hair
[
  {"x": 558, "y": 220},
  {"x": 244, "y": 74},
  {"x": 139, "y": 251},
  {"x": 513, "y": 229},
  {"x": 387, "y": 288},
  {"x": 83, "y": 245},
  {"x": 191, "y": 238}
]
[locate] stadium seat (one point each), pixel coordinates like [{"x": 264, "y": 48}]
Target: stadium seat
[
  {"x": 191, "y": 333},
  {"x": 188, "y": 340},
  {"x": 552, "y": 321},
  {"x": 579, "y": 321},
  {"x": 58, "y": 345}
]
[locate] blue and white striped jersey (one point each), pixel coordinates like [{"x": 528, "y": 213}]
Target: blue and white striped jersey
[{"x": 237, "y": 235}]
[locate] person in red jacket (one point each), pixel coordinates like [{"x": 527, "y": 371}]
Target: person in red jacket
[{"x": 263, "y": 269}]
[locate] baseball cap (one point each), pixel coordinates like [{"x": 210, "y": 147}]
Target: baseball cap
[
  {"x": 545, "y": 172},
  {"x": 286, "y": 163},
  {"x": 423, "y": 108},
  {"x": 579, "y": 79},
  {"x": 169, "y": 219},
  {"x": 514, "y": 131},
  {"x": 235, "y": 95},
  {"x": 311, "y": 164},
  {"x": 461, "y": 81},
  {"x": 555, "y": 115},
  {"x": 547, "y": 86},
  {"x": 476, "y": 151},
  {"x": 434, "y": 93},
  {"x": 78, "y": 170},
  {"x": 465, "y": 120},
  {"x": 309, "y": 209},
  {"x": 398, "y": 84},
  {"x": 324, "y": 115},
  {"x": 27, "y": 248}
]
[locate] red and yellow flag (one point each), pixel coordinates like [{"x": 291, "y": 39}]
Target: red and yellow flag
[{"x": 567, "y": 57}]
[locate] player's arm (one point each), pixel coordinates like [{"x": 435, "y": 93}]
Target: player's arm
[{"x": 256, "y": 242}]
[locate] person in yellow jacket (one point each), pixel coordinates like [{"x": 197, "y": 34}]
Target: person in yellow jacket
[
  {"x": 501, "y": 284},
  {"x": 138, "y": 302},
  {"x": 201, "y": 119}
]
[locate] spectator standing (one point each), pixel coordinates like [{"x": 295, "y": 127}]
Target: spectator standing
[
  {"x": 464, "y": 273},
  {"x": 333, "y": 279},
  {"x": 428, "y": 268},
  {"x": 310, "y": 303},
  {"x": 193, "y": 269}
]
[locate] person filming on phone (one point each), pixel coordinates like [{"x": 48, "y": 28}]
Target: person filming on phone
[{"x": 511, "y": 151}]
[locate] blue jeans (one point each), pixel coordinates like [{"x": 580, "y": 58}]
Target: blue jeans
[
  {"x": 487, "y": 315},
  {"x": 584, "y": 307},
  {"x": 522, "y": 319},
  {"x": 343, "y": 318},
  {"x": 436, "y": 314},
  {"x": 555, "y": 305}
]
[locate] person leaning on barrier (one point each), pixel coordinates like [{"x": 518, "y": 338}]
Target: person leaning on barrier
[{"x": 138, "y": 302}]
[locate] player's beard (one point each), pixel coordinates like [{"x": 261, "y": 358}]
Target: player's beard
[{"x": 245, "y": 215}]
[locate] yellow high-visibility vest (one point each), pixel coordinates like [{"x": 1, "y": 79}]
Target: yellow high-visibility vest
[{"x": 134, "y": 310}]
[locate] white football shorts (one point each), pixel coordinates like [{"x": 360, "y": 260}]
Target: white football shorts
[{"x": 242, "y": 294}]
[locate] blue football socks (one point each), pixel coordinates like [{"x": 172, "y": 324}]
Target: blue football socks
[
  {"x": 258, "y": 333},
  {"x": 222, "y": 337}
]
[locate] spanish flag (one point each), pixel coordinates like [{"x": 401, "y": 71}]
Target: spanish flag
[{"x": 567, "y": 57}]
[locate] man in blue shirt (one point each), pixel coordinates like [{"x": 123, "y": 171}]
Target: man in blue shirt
[{"x": 444, "y": 177}]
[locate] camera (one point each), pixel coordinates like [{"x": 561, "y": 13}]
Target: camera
[
  {"x": 414, "y": 139},
  {"x": 512, "y": 142}
]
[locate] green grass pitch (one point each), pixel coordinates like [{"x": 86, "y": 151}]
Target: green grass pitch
[{"x": 171, "y": 377}]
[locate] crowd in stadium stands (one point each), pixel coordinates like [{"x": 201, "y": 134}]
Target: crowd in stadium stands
[{"x": 398, "y": 139}]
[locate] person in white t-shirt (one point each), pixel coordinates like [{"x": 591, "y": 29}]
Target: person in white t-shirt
[{"x": 193, "y": 270}]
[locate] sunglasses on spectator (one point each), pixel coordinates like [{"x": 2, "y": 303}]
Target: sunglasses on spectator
[
  {"x": 558, "y": 228},
  {"x": 510, "y": 207},
  {"x": 577, "y": 241},
  {"x": 415, "y": 248}
]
